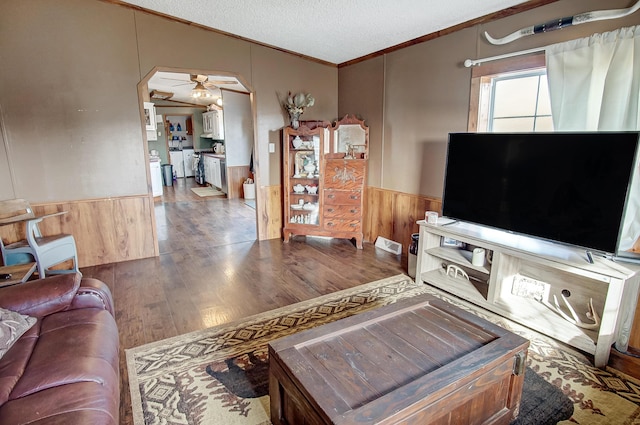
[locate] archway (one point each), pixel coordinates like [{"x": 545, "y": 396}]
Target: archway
[{"x": 186, "y": 78}]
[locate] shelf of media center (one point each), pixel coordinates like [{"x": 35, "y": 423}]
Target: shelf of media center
[{"x": 497, "y": 286}]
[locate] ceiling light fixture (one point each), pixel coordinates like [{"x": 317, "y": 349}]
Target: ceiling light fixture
[{"x": 200, "y": 91}]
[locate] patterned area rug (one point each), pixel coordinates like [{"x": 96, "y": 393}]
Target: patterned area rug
[
  {"x": 217, "y": 375},
  {"x": 206, "y": 191}
]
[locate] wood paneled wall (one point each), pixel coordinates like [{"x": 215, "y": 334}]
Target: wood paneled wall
[
  {"x": 393, "y": 215},
  {"x": 269, "y": 207},
  {"x": 236, "y": 176},
  {"x": 106, "y": 230},
  {"x": 387, "y": 213}
]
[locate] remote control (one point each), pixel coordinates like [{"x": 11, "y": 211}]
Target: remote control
[{"x": 589, "y": 257}]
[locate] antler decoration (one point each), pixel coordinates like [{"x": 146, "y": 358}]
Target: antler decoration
[
  {"x": 591, "y": 314},
  {"x": 557, "y": 24}
]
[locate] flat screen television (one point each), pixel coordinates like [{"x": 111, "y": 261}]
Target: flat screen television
[{"x": 571, "y": 188}]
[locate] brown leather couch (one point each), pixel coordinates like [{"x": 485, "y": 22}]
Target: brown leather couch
[{"x": 64, "y": 369}]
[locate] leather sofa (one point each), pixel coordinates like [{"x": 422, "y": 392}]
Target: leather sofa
[{"x": 65, "y": 368}]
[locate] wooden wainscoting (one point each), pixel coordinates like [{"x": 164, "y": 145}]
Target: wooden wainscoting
[
  {"x": 387, "y": 213},
  {"x": 106, "y": 230},
  {"x": 236, "y": 176},
  {"x": 393, "y": 215},
  {"x": 270, "y": 212}
]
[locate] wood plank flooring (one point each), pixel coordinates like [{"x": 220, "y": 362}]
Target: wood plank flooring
[{"x": 212, "y": 270}]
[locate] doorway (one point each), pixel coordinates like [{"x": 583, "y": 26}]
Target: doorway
[{"x": 170, "y": 91}]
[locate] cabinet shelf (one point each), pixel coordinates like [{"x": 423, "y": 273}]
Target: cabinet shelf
[
  {"x": 458, "y": 256},
  {"x": 469, "y": 290},
  {"x": 543, "y": 320},
  {"x": 545, "y": 270}
]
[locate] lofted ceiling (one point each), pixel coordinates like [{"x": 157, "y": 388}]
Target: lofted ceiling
[{"x": 333, "y": 31}]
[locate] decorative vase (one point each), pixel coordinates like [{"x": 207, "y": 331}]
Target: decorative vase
[{"x": 295, "y": 120}]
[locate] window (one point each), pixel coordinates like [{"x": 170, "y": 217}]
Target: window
[
  {"x": 510, "y": 96},
  {"x": 519, "y": 102}
]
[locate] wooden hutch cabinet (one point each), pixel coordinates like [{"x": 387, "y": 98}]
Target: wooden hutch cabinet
[{"x": 325, "y": 169}]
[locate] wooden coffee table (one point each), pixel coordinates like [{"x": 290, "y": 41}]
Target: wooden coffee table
[
  {"x": 19, "y": 273},
  {"x": 420, "y": 360}
]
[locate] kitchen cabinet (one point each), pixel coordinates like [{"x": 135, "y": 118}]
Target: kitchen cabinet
[
  {"x": 207, "y": 122},
  {"x": 213, "y": 171},
  {"x": 177, "y": 160},
  {"x": 212, "y": 125},
  {"x": 208, "y": 169},
  {"x": 188, "y": 162},
  {"x": 150, "y": 116},
  {"x": 150, "y": 121},
  {"x": 217, "y": 176}
]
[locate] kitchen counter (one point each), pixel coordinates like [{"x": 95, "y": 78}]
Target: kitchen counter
[{"x": 214, "y": 155}]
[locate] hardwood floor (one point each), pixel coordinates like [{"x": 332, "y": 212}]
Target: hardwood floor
[{"x": 212, "y": 270}]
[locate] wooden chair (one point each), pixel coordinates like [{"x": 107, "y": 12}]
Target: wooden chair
[{"x": 46, "y": 251}]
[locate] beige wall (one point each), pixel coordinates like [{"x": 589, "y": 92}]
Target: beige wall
[
  {"x": 69, "y": 102},
  {"x": 238, "y": 128},
  {"x": 273, "y": 76},
  {"x": 361, "y": 92},
  {"x": 414, "y": 97},
  {"x": 68, "y": 98}
]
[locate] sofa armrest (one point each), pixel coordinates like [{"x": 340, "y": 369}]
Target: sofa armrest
[
  {"x": 39, "y": 298},
  {"x": 93, "y": 293}
]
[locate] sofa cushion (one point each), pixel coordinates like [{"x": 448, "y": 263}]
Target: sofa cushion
[
  {"x": 83, "y": 403},
  {"x": 12, "y": 326},
  {"x": 14, "y": 363},
  {"x": 73, "y": 346}
]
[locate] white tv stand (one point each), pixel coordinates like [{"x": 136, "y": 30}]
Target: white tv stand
[{"x": 613, "y": 287}]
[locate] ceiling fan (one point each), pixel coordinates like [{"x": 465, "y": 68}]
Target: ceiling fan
[
  {"x": 202, "y": 85},
  {"x": 202, "y": 80}
]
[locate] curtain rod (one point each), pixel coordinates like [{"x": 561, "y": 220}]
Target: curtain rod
[{"x": 470, "y": 62}]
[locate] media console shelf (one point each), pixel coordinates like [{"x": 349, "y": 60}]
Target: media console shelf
[{"x": 520, "y": 277}]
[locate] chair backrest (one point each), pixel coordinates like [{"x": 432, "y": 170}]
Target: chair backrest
[{"x": 15, "y": 209}]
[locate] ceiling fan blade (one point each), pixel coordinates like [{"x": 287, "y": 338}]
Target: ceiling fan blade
[
  {"x": 226, "y": 82},
  {"x": 175, "y": 79}
]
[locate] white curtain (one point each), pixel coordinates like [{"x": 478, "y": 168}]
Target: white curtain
[
  {"x": 594, "y": 85},
  {"x": 594, "y": 82}
]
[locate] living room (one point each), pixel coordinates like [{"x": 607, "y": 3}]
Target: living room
[
  {"x": 410, "y": 98},
  {"x": 71, "y": 118}
]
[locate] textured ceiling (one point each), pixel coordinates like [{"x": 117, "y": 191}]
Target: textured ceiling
[{"x": 334, "y": 31}]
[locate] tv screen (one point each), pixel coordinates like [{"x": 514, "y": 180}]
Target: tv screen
[{"x": 564, "y": 187}]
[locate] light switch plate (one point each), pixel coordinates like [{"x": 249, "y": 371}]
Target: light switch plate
[{"x": 272, "y": 147}]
